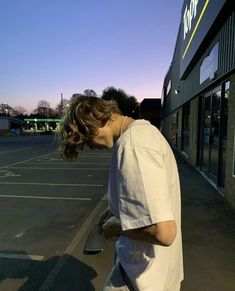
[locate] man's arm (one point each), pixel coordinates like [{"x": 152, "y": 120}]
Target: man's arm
[{"x": 162, "y": 233}]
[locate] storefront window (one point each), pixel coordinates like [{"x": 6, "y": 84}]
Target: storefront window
[
  {"x": 174, "y": 133},
  {"x": 214, "y": 133},
  {"x": 234, "y": 155},
  {"x": 185, "y": 128},
  {"x": 224, "y": 129}
]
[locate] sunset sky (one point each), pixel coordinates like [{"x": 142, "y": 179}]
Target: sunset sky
[{"x": 49, "y": 47}]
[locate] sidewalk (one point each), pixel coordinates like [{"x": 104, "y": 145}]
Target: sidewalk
[{"x": 208, "y": 225}]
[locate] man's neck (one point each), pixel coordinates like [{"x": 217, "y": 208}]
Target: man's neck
[{"x": 119, "y": 125}]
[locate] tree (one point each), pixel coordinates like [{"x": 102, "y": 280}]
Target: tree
[
  {"x": 19, "y": 111},
  {"x": 127, "y": 104},
  {"x": 61, "y": 107},
  {"x": 90, "y": 93},
  {"x": 44, "y": 109},
  {"x": 75, "y": 95},
  {"x": 5, "y": 109}
]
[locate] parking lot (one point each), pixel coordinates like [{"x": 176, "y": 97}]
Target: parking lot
[{"x": 44, "y": 203}]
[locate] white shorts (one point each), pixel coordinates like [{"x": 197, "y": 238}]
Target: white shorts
[{"x": 115, "y": 281}]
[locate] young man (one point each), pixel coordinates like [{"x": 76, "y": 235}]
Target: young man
[{"x": 144, "y": 213}]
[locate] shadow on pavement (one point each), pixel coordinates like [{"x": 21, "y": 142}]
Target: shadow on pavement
[{"x": 72, "y": 276}]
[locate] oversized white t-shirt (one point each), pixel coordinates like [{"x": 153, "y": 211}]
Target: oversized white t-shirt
[{"x": 143, "y": 190}]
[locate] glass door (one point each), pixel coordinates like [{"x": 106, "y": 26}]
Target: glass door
[
  {"x": 215, "y": 134},
  {"x": 223, "y": 130},
  {"x": 206, "y": 130},
  {"x": 211, "y": 134}
]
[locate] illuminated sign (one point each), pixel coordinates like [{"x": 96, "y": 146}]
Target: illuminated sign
[
  {"x": 189, "y": 14},
  {"x": 196, "y": 21}
]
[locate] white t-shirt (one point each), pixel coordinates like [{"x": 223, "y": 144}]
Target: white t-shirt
[{"x": 144, "y": 189}]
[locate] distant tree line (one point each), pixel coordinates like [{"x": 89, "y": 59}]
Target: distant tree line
[{"x": 127, "y": 104}]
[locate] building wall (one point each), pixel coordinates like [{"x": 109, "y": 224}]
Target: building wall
[
  {"x": 166, "y": 127},
  {"x": 4, "y": 124},
  {"x": 229, "y": 179}
]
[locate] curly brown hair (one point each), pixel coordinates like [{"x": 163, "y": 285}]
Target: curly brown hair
[{"x": 81, "y": 122}]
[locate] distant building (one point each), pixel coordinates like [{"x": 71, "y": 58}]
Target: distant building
[
  {"x": 150, "y": 109},
  {"x": 10, "y": 124}
]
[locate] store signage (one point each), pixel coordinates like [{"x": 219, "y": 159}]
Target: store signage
[
  {"x": 189, "y": 14},
  {"x": 196, "y": 20},
  {"x": 209, "y": 65},
  {"x": 192, "y": 12}
]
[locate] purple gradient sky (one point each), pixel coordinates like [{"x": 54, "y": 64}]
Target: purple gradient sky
[{"x": 49, "y": 47}]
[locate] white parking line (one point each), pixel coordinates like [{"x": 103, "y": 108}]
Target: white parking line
[
  {"x": 46, "y": 168},
  {"x": 94, "y": 156},
  {"x": 26, "y": 160},
  {"x": 73, "y": 163},
  {"x": 46, "y": 197},
  {"x": 16, "y": 150},
  {"x": 52, "y": 184},
  {"x": 6, "y": 174},
  {"x": 21, "y": 257},
  {"x": 56, "y": 158}
]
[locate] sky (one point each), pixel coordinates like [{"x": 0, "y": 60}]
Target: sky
[{"x": 49, "y": 47}]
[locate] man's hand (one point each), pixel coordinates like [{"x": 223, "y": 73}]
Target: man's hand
[
  {"x": 104, "y": 216},
  {"x": 162, "y": 233},
  {"x": 112, "y": 228}
]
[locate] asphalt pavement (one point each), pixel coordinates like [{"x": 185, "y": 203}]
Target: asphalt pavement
[
  {"x": 50, "y": 231},
  {"x": 46, "y": 205},
  {"x": 208, "y": 226}
]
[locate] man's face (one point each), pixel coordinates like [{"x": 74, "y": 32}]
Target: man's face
[{"x": 104, "y": 138}]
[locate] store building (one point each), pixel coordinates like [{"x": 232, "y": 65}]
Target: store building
[{"x": 198, "y": 100}]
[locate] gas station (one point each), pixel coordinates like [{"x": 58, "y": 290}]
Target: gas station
[{"x": 41, "y": 124}]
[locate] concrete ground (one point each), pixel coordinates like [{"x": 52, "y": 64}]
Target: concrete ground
[{"x": 208, "y": 224}]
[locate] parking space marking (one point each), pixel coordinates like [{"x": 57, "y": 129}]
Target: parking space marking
[
  {"x": 16, "y": 150},
  {"x": 6, "y": 174},
  {"x": 94, "y": 154},
  {"x": 52, "y": 184},
  {"x": 73, "y": 163},
  {"x": 21, "y": 257},
  {"x": 49, "y": 159},
  {"x": 46, "y": 168},
  {"x": 24, "y": 161},
  {"x": 56, "y": 158},
  {"x": 46, "y": 197}
]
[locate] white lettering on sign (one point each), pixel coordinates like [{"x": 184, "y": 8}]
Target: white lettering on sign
[{"x": 189, "y": 14}]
